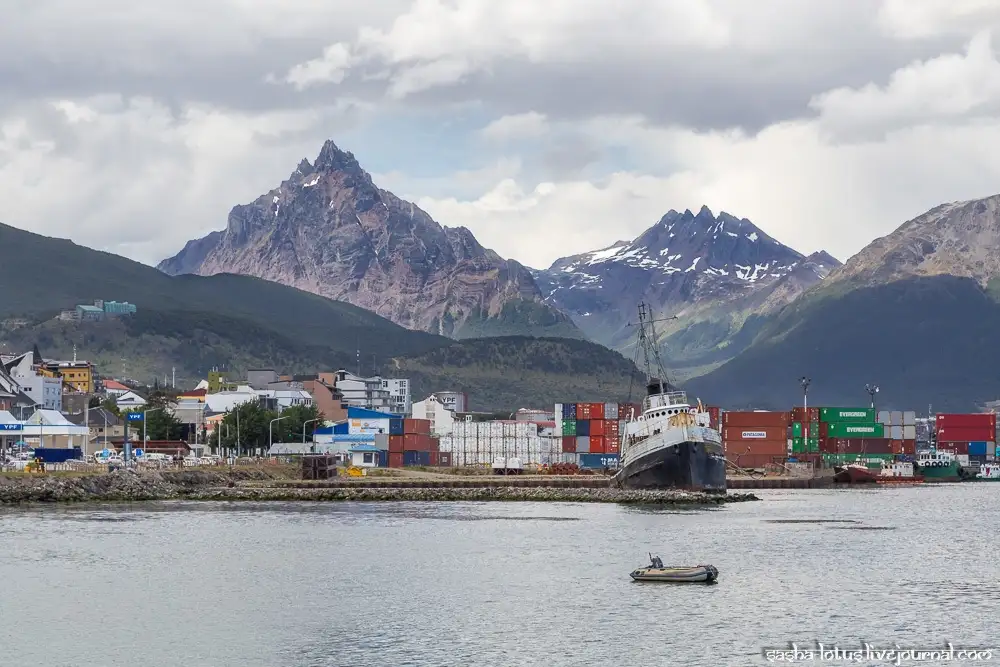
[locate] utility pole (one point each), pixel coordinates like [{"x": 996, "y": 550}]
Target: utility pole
[{"x": 872, "y": 389}]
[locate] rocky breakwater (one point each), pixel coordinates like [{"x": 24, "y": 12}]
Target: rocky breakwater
[{"x": 265, "y": 485}]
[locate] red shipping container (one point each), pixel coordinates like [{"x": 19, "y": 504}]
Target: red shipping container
[
  {"x": 768, "y": 447},
  {"x": 597, "y": 410},
  {"x": 611, "y": 446},
  {"x": 569, "y": 444},
  {"x": 752, "y": 434},
  {"x": 612, "y": 429},
  {"x": 396, "y": 443},
  {"x": 960, "y": 448},
  {"x": 411, "y": 442},
  {"x": 805, "y": 416},
  {"x": 395, "y": 459},
  {"x": 953, "y": 434},
  {"x": 908, "y": 447},
  {"x": 976, "y": 420},
  {"x": 628, "y": 411},
  {"x": 597, "y": 427},
  {"x": 435, "y": 459},
  {"x": 583, "y": 411},
  {"x": 597, "y": 444},
  {"x": 433, "y": 444},
  {"x": 756, "y": 419},
  {"x": 416, "y": 426}
]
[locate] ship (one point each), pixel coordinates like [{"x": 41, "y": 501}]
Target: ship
[
  {"x": 876, "y": 471},
  {"x": 939, "y": 466},
  {"x": 670, "y": 443}
]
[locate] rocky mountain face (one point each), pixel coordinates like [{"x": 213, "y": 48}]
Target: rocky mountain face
[
  {"x": 717, "y": 274},
  {"x": 330, "y": 230},
  {"x": 957, "y": 239}
]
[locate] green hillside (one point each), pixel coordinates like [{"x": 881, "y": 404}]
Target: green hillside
[
  {"x": 922, "y": 340},
  {"x": 193, "y": 323}
]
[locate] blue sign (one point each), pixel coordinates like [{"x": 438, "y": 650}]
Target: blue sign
[
  {"x": 11, "y": 427},
  {"x": 135, "y": 416},
  {"x": 138, "y": 453}
]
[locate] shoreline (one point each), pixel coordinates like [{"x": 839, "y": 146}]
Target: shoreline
[{"x": 263, "y": 485}]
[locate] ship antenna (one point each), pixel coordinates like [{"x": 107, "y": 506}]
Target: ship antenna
[{"x": 651, "y": 346}]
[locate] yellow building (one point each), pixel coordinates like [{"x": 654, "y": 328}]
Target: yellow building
[{"x": 76, "y": 375}]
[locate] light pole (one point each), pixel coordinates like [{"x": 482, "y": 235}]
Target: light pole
[
  {"x": 304, "y": 433},
  {"x": 872, "y": 389},
  {"x": 144, "y": 413},
  {"x": 804, "y": 381},
  {"x": 270, "y": 433}
]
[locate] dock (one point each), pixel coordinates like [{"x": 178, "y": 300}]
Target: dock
[{"x": 737, "y": 483}]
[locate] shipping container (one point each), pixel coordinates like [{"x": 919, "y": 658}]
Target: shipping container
[
  {"x": 955, "y": 434},
  {"x": 909, "y": 418},
  {"x": 798, "y": 446},
  {"x": 628, "y": 411},
  {"x": 410, "y": 458},
  {"x": 582, "y": 411},
  {"x": 396, "y": 427},
  {"x": 569, "y": 411},
  {"x": 910, "y": 432},
  {"x": 715, "y": 417},
  {"x": 598, "y": 461},
  {"x": 446, "y": 459},
  {"x": 597, "y": 445},
  {"x": 805, "y": 415},
  {"x": 395, "y": 459},
  {"x": 959, "y": 448},
  {"x": 755, "y": 419},
  {"x": 569, "y": 444},
  {"x": 896, "y": 418},
  {"x": 812, "y": 445},
  {"x": 859, "y": 446},
  {"x": 582, "y": 426},
  {"x": 884, "y": 418},
  {"x": 847, "y": 415},
  {"x": 769, "y": 447},
  {"x": 612, "y": 446},
  {"x": 423, "y": 458},
  {"x": 894, "y": 432},
  {"x": 731, "y": 434},
  {"x": 569, "y": 426},
  {"x": 976, "y": 458},
  {"x": 797, "y": 430},
  {"x": 854, "y": 430},
  {"x": 597, "y": 427},
  {"x": 435, "y": 458},
  {"x": 976, "y": 420},
  {"x": 396, "y": 443},
  {"x": 383, "y": 458},
  {"x": 909, "y": 447},
  {"x": 611, "y": 411},
  {"x": 583, "y": 444},
  {"x": 977, "y": 448},
  {"x": 597, "y": 411},
  {"x": 421, "y": 426},
  {"x": 612, "y": 429}
]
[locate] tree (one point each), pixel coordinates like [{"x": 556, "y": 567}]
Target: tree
[
  {"x": 291, "y": 427},
  {"x": 245, "y": 428},
  {"x": 111, "y": 406},
  {"x": 94, "y": 402},
  {"x": 162, "y": 425}
]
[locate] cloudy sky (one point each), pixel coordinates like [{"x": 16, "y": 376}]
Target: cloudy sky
[{"x": 547, "y": 127}]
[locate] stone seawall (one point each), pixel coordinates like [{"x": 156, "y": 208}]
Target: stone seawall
[{"x": 263, "y": 485}]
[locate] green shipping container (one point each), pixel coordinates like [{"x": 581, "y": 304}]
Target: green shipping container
[
  {"x": 847, "y": 415},
  {"x": 812, "y": 445},
  {"x": 848, "y": 430},
  {"x": 814, "y": 430},
  {"x": 840, "y": 459},
  {"x": 796, "y": 430},
  {"x": 569, "y": 427},
  {"x": 798, "y": 446}
]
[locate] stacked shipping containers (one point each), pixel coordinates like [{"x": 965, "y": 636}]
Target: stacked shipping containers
[
  {"x": 411, "y": 444},
  {"x": 900, "y": 427},
  {"x": 480, "y": 443},
  {"x": 754, "y": 439},
  {"x": 592, "y": 429},
  {"x": 804, "y": 430},
  {"x": 846, "y": 434},
  {"x": 971, "y": 435}
]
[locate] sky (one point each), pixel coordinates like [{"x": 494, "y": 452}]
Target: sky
[{"x": 547, "y": 128}]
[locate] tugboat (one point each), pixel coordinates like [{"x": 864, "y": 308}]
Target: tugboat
[
  {"x": 701, "y": 574},
  {"x": 988, "y": 472},
  {"x": 876, "y": 471},
  {"x": 938, "y": 466},
  {"x": 671, "y": 444}
]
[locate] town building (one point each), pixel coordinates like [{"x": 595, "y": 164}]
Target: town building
[
  {"x": 9, "y": 391},
  {"x": 433, "y": 409},
  {"x": 39, "y": 385},
  {"x": 130, "y": 401},
  {"x": 105, "y": 427},
  {"x": 77, "y": 375},
  {"x": 456, "y": 401},
  {"x": 326, "y": 397},
  {"x": 50, "y": 428},
  {"x": 191, "y": 413},
  {"x": 374, "y": 393},
  {"x": 114, "y": 388},
  {"x": 99, "y": 311}
]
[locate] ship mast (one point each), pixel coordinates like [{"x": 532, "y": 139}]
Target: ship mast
[{"x": 648, "y": 342}]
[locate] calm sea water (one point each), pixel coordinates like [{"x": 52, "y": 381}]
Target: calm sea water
[{"x": 290, "y": 585}]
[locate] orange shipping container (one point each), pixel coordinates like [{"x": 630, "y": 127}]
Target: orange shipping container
[
  {"x": 597, "y": 427},
  {"x": 396, "y": 443},
  {"x": 411, "y": 442},
  {"x": 765, "y": 447},
  {"x": 416, "y": 426},
  {"x": 755, "y": 419},
  {"x": 611, "y": 446},
  {"x": 597, "y": 444},
  {"x": 395, "y": 459},
  {"x": 597, "y": 410},
  {"x": 751, "y": 433}
]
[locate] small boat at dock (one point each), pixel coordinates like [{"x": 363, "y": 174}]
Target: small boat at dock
[{"x": 701, "y": 574}]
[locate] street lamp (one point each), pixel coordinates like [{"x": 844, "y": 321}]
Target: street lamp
[
  {"x": 872, "y": 389},
  {"x": 270, "y": 433},
  {"x": 304, "y": 433},
  {"x": 804, "y": 381}
]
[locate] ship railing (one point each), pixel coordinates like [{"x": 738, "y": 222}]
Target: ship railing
[{"x": 668, "y": 399}]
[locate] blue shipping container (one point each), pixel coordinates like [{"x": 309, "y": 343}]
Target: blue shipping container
[
  {"x": 411, "y": 458},
  {"x": 423, "y": 458},
  {"x": 57, "y": 455},
  {"x": 569, "y": 410},
  {"x": 977, "y": 448},
  {"x": 598, "y": 460},
  {"x": 383, "y": 458},
  {"x": 395, "y": 427},
  {"x": 582, "y": 427}
]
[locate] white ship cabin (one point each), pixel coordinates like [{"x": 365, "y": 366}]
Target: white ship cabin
[{"x": 657, "y": 405}]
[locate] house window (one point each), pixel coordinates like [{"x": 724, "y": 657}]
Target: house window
[{"x": 368, "y": 457}]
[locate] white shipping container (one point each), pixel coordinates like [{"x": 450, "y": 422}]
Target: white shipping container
[
  {"x": 884, "y": 417},
  {"x": 909, "y": 433},
  {"x": 611, "y": 411},
  {"x": 909, "y": 418},
  {"x": 896, "y": 418}
]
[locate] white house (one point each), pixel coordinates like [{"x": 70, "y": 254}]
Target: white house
[
  {"x": 285, "y": 398},
  {"x": 375, "y": 393},
  {"x": 364, "y": 456},
  {"x": 224, "y": 401},
  {"x": 130, "y": 401},
  {"x": 441, "y": 417},
  {"x": 115, "y": 389},
  {"x": 44, "y": 391}
]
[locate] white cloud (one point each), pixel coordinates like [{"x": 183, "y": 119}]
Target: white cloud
[
  {"x": 331, "y": 67},
  {"x": 517, "y": 126},
  {"x": 918, "y": 19},
  {"x": 947, "y": 87}
]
